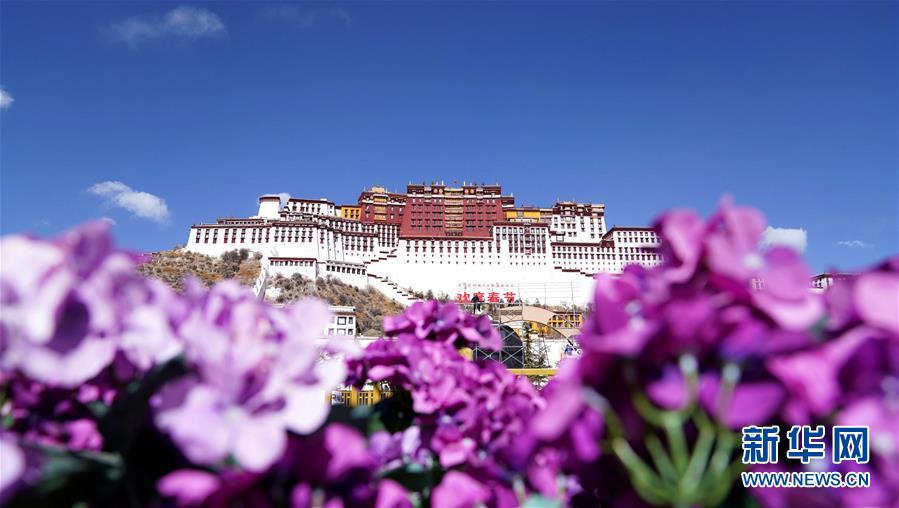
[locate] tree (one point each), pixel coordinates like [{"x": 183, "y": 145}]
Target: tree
[
  {"x": 231, "y": 261},
  {"x": 535, "y": 354}
]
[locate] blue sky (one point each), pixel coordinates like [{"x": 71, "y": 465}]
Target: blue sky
[{"x": 199, "y": 108}]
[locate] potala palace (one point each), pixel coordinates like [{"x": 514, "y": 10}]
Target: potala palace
[{"x": 461, "y": 241}]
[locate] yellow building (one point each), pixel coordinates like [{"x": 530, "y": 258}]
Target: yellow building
[
  {"x": 525, "y": 214},
  {"x": 566, "y": 320},
  {"x": 353, "y": 212}
]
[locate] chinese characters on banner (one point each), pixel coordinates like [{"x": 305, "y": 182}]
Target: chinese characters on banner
[{"x": 489, "y": 293}]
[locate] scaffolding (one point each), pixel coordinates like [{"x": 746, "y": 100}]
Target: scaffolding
[{"x": 504, "y": 316}]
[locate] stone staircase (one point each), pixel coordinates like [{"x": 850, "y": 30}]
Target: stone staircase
[
  {"x": 575, "y": 270},
  {"x": 384, "y": 284},
  {"x": 391, "y": 289},
  {"x": 261, "y": 283},
  {"x": 383, "y": 257}
]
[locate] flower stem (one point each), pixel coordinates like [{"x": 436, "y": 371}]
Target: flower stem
[{"x": 674, "y": 431}]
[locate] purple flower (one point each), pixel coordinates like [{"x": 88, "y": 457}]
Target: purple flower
[
  {"x": 619, "y": 323},
  {"x": 208, "y": 427},
  {"x": 83, "y": 435},
  {"x": 149, "y": 337},
  {"x": 732, "y": 242},
  {"x": 747, "y": 404},
  {"x": 344, "y": 472},
  {"x": 876, "y": 297},
  {"x": 567, "y": 427},
  {"x": 348, "y": 449},
  {"x": 300, "y": 372},
  {"x": 443, "y": 322},
  {"x": 458, "y": 490},
  {"x": 880, "y": 416},
  {"x": 57, "y": 417},
  {"x": 811, "y": 376},
  {"x": 681, "y": 232},
  {"x": 658, "y": 342},
  {"x": 469, "y": 414},
  {"x": 785, "y": 297},
  {"x": 391, "y": 450},
  {"x": 561, "y": 409},
  {"x": 49, "y": 330},
  {"x": 722, "y": 335},
  {"x": 257, "y": 375},
  {"x": 12, "y": 465},
  {"x": 70, "y": 304},
  {"x": 851, "y": 374},
  {"x": 392, "y": 495},
  {"x": 670, "y": 391},
  {"x": 333, "y": 467},
  {"x": 188, "y": 487}
]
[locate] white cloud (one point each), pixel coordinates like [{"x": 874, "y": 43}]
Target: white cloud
[
  {"x": 109, "y": 220},
  {"x": 6, "y": 100},
  {"x": 298, "y": 17},
  {"x": 854, "y": 244},
  {"x": 184, "y": 23},
  {"x": 284, "y": 197},
  {"x": 795, "y": 238},
  {"x": 141, "y": 204}
]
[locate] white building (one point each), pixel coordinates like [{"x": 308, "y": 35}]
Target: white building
[
  {"x": 343, "y": 320},
  {"x": 457, "y": 241},
  {"x": 822, "y": 281}
]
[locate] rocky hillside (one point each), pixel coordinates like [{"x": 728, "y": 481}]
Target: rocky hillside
[
  {"x": 371, "y": 305},
  {"x": 173, "y": 266}
]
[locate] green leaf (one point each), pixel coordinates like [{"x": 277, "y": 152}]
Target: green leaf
[
  {"x": 98, "y": 408},
  {"x": 541, "y": 502},
  {"x": 413, "y": 476}
]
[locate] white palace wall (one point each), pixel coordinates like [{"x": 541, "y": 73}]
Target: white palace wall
[
  {"x": 552, "y": 263},
  {"x": 488, "y": 265}
]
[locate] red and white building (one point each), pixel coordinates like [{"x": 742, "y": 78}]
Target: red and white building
[{"x": 460, "y": 241}]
